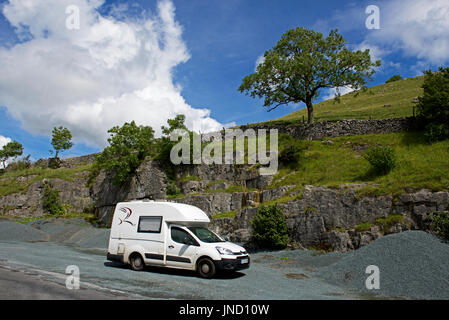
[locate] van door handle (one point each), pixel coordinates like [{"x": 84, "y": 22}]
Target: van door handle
[{"x": 170, "y": 247}]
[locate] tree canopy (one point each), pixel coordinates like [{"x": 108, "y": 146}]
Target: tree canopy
[
  {"x": 10, "y": 150},
  {"x": 61, "y": 139},
  {"x": 128, "y": 146},
  {"x": 433, "y": 106},
  {"x": 302, "y": 63}
]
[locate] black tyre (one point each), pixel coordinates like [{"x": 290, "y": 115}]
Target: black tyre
[
  {"x": 206, "y": 268},
  {"x": 136, "y": 262}
]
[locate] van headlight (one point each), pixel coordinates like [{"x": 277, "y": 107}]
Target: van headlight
[{"x": 222, "y": 250}]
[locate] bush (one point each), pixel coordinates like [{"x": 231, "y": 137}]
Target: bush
[
  {"x": 433, "y": 106},
  {"x": 291, "y": 151},
  {"x": 22, "y": 164},
  {"x": 436, "y": 132},
  {"x": 440, "y": 224},
  {"x": 172, "y": 189},
  {"x": 51, "y": 202},
  {"x": 129, "y": 145},
  {"x": 382, "y": 159},
  {"x": 270, "y": 228},
  {"x": 54, "y": 163},
  {"x": 394, "y": 78}
]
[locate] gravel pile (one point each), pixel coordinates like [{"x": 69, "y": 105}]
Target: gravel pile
[
  {"x": 412, "y": 264},
  {"x": 76, "y": 232},
  {"x": 14, "y": 231}
]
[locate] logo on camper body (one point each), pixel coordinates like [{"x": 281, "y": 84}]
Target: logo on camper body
[{"x": 128, "y": 213}]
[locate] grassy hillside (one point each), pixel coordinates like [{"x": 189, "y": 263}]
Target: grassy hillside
[
  {"x": 391, "y": 100},
  {"x": 420, "y": 164}
]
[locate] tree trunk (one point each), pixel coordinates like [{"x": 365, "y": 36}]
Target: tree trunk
[{"x": 309, "y": 111}]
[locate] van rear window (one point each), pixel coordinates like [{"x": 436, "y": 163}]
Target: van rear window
[{"x": 150, "y": 224}]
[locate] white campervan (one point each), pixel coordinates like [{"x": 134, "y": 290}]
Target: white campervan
[{"x": 171, "y": 235}]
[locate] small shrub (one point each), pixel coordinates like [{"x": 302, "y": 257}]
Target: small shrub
[
  {"x": 270, "y": 228},
  {"x": 440, "y": 224},
  {"x": 388, "y": 222},
  {"x": 382, "y": 159},
  {"x": 172, "y": 189},
  {"x": 291, "y": 151},
  {"x": 366, "y": 226},
  {"x": 22, "y": 164},
  {"x": 436, "y": 132},
  {"x": 54, "y": 163},
  {"x": 51, "y": 202},
  {"x": 394, "y": 78}
]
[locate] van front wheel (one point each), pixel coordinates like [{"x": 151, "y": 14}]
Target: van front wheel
[
  {"x": 136, "y": 262},
  {"x": 206, "y": 268}
]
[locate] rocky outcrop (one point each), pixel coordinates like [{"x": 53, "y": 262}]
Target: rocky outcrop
[
  {"x": 149, "y": 182},
  {"x": 73, "y": 193},
  {"x": 68, "y": 162},
  {"x": 338, "y": 219}
]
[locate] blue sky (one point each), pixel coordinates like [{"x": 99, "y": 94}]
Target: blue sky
[{"x": 101, "y": 76}]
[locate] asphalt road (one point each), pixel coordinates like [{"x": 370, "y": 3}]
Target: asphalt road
[
  {"x": 31, "y": 285},
  {"x": 34, "y": 258},
  {"x": 40, "y": 274}
]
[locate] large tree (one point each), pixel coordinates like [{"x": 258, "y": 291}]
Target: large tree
[
  {"x": 129, "y": 145},
  {"x": 61, "y": 140},
  {"x": 10, "y": 150},
  {"x": 302, "y": 63}
]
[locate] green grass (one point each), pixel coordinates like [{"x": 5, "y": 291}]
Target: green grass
[
  {"x": 230, "y": 189},
  {"x": 419, "y": 164},
  {"x": 369, "y": 104},
  {"x": 10, "y": 185},
  {"x": 189, "y": 178},
  {"x": 363, "y": 227},
  {"x": 229, "y": 214},
  {"x": 282, "y": 199},
  {"x": 389, "y": 221},
  {"x": 89, "y": 217}
]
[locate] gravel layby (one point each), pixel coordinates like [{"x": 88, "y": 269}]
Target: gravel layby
[{"x": 412, "y": 264}]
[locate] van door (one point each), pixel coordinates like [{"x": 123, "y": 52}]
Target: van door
[
  {"x": 182, "y": 248},
  {"x": 149, "y": 237}
]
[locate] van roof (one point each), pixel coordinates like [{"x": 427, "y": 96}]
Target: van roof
[{"x": 171, "y": 211}]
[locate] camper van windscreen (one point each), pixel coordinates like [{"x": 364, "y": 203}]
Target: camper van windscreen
[
  {"x": 150, "y": 224},
  {"x": 205, "y": 235}
]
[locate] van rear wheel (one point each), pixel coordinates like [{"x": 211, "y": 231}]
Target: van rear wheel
[
  {"x": 206, "y": 268},
  {"x": 136, "y": 262}
]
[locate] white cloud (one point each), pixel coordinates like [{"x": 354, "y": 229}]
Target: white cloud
[
  {"x": 332, "y": 92},
  {"x": 416, "y": 28},
  {"x": 4, "y": 141},
  {"x": 375, "y": 52},
  {"x": 260, "y": 59},
  {"x": 89, "y": 80}
]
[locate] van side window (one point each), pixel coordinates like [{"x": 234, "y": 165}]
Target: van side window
[
  {"x": 150, "y": 224},
  {"x": 178, "y": 235}
]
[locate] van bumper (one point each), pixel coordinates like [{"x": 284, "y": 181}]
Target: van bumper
[
  {"x": 115, "y": 257},
  {"x": 232, "y": 264}
]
